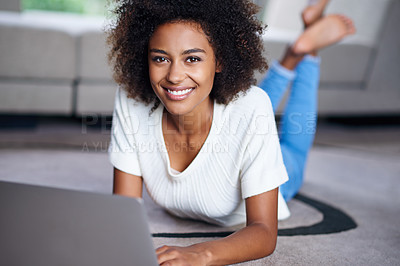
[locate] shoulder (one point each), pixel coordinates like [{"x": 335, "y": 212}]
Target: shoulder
[
  {"x": 255, "y": 92},
  {"x": 254, "y": 100},
  {"x": 249, "y": 114}
]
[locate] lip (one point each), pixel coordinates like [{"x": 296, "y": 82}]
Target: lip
[{"x": 169, "y": 91}]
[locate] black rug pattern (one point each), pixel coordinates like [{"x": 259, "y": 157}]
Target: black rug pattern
[{"x": 334, "y": 221}]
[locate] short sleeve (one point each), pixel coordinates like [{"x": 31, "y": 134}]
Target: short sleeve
[
  {"x": 122, "y": 150},
  {"x": 262, "y": 166}
]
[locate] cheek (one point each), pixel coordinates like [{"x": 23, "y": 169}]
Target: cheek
[
  {"x": 154, "y": 74},
  {"x": 203, "y": 75},
  {"x": 206, "y": 77},
  {"x": 154, "y": 79}
]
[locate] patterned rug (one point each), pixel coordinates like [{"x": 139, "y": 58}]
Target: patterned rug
[{"x": 347, "y": 212}]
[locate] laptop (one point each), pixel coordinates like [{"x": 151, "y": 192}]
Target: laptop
[{"x": 48, "y": 226}]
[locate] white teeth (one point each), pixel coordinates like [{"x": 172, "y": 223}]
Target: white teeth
[{"x": 179, "y": 92}]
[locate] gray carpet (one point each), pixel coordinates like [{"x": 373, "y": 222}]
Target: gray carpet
[{"x": 361, "y": 184}]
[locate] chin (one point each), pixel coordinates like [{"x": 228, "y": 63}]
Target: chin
[{"x": 178, "y": 111}]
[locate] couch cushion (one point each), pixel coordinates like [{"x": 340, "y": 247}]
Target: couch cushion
[
  {"x": 30, "y": 50},
  {"x": 95, "y": 98},
  {"x": 38, "y": 44},
  {"x": 93, "y": 63},
  {"x": 345, "y": 62},
  {"x": 33, "y": 96},
  {"x": 368, "y": 15}
]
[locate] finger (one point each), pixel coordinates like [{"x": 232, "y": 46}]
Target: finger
[
  {"x": 174, "y": 262},
  {"x": 162, "y": 249},
  {"x": 169, "y": 254}
]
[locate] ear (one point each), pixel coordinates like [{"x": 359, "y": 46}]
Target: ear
[{"x": 218, "y": 68}]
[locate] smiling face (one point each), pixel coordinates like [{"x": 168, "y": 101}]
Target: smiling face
[{"x": 182, "y": 67}]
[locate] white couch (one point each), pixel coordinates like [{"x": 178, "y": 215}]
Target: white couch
[
  {"x": 361, "y": 75},
  {"x": 46, "y": 60},
  {"x": 53, "y": 63}
]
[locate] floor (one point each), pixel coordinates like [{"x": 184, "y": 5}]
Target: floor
[
  {"x": 353, "y": 168},
  {"x": 380, "y": 135}
]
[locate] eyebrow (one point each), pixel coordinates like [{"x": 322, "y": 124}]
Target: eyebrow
[
  {"x": 194, "y": 50},
  {"x": 158, "y": 51},
  {"x": 190, "y": 51}
]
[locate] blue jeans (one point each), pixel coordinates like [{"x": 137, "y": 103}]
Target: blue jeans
[{"x": 298, "y": 123}]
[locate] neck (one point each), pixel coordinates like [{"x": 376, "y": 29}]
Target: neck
[{"x": 194, "y": 123}]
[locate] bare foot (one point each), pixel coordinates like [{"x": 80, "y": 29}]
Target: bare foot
[
  {"x": 313, "y": 11},
  {"x": 326, "y": 31}
]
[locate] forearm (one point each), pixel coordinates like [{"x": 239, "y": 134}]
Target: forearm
[{"x": 252, "y": 242}]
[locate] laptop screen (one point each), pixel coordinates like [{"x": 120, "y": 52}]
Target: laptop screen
[{"x": 48, "y": 226}]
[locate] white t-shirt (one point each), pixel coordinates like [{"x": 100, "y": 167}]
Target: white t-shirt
[{"x": 240, "y": 158}]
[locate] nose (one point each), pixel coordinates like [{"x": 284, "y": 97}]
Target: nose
[{"x": 176, "y": 73}]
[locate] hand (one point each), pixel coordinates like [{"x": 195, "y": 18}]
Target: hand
[{"x": 171, "y": 256}]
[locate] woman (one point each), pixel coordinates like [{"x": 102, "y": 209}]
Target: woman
[{"x": 190, "y": 127}]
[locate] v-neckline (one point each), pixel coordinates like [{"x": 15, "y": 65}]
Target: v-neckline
[{"x": 197, "y": 158}]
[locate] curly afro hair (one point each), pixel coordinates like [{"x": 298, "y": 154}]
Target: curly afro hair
[{"x": 231, "y": 27}]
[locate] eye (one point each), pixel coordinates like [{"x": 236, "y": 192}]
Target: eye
[
  {"x": 159, "y": 59},
  {"x": 193, "y": 59}
]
